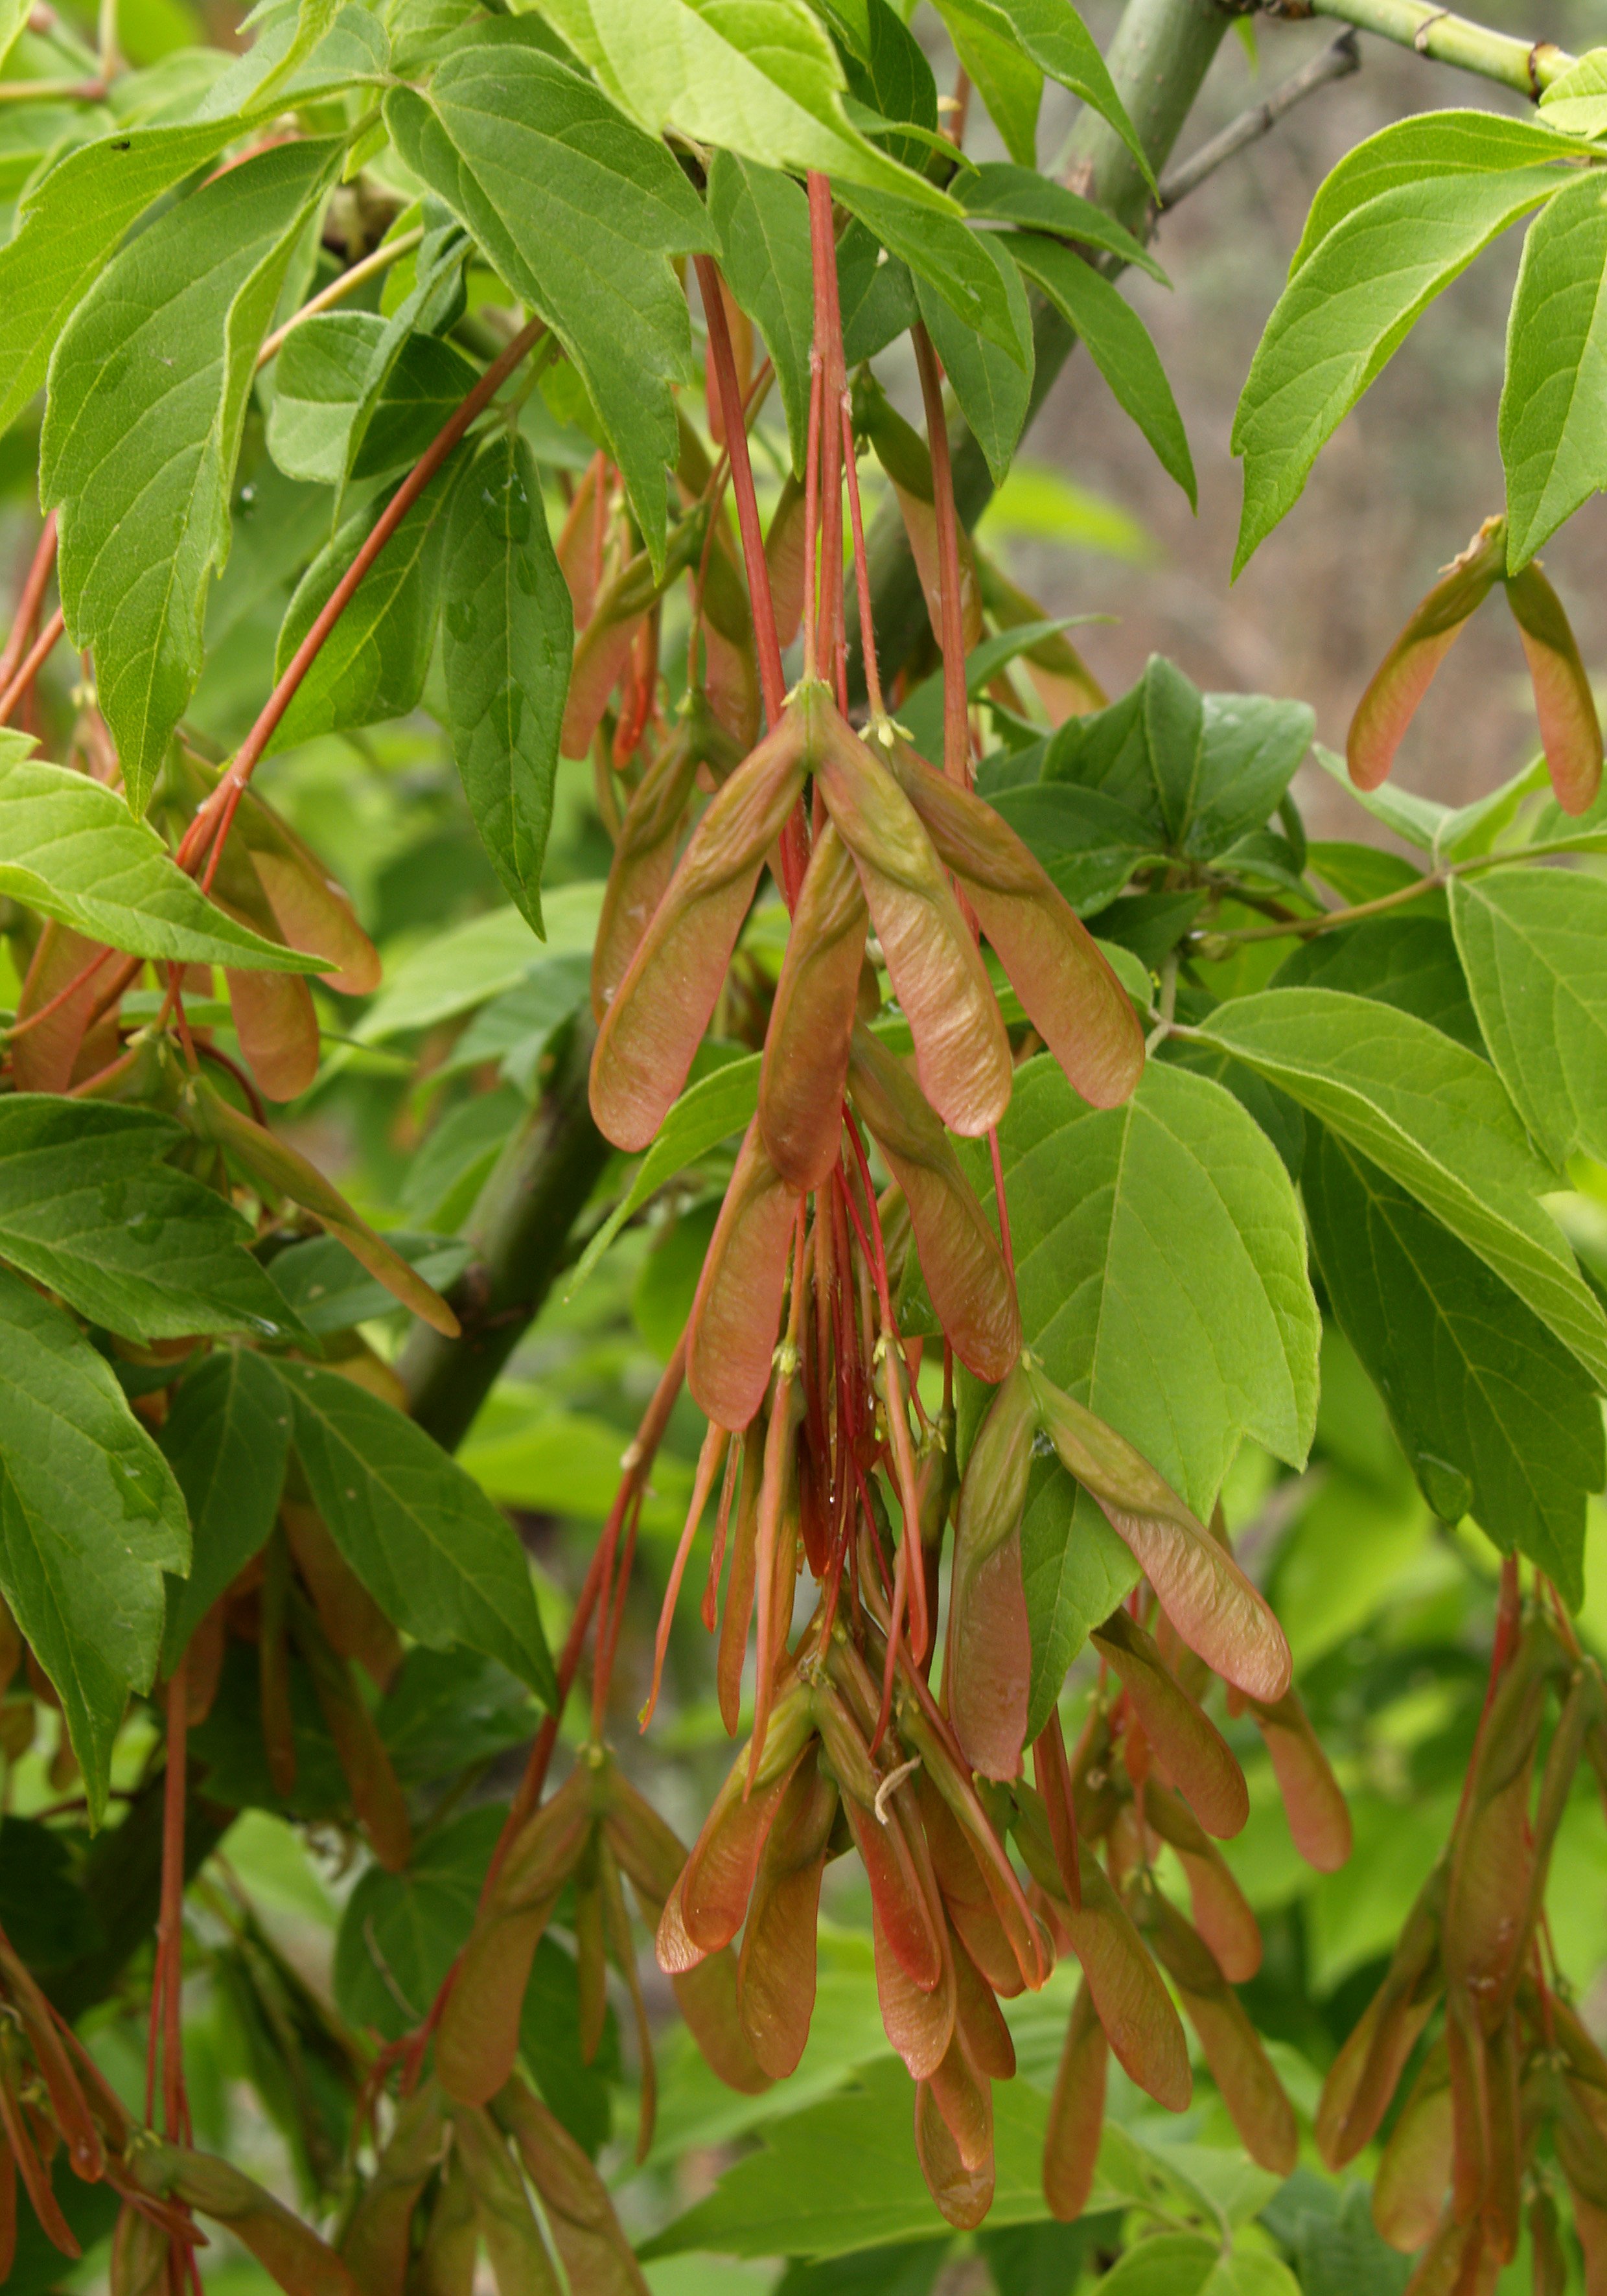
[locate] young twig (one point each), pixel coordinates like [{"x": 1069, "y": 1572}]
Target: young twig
[{"x": 1337, "y": 62}]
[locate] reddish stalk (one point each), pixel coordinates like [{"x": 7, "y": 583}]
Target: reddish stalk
[
  {"x": 998, "y": 1190},
  {"x": 29, "y": 603},
  {"x": 812, "y": 522},
  {"x": 212, "y": 822},
  {"x": 612, "y": 1619},
  {"x": 862, "y": 570},
  {"x": 828, "y": 345},
  {"x": 38, "y": 654},
  {"x": 167, "y": 2000},
  {"x": 957, "y": 729},
  {"x": 712, "y": 1458},
  {"x": 771, "y": 678},
  {"x": 63, "y": 997}
]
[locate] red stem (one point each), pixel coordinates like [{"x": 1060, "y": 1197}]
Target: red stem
[
  {"x": 38, "y": 654},
  {"x": 29, "y": 603},
  {"x": 771, "y": 677},
  {"x": 862, "y": 569},
  {"x": 956, "y": 731},
  {"x": 167, "y": 2000},
  {"x": 218, "y": 811}
]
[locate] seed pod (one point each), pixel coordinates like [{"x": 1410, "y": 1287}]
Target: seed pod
[
  {"x": 35, "y": 2175},
  {"x": 806, "y": 1062},
  {"x": 731, "y": 1334},
  {"x": 1318, "y": 1819},
  {"x": 1402, "y": 678},
  {"x": 919, "y": 2020},
  {"x": 644, "y": 860},
  {"x": 1027, "y": 1940},
  {"x": 1454, "y": 2262},
  {"x": 979, "y": 2020},
  {"x": 775, "y": 1545},
  {"x": 1501, "y": 2192},
  {"x": 1190, "y": 1748},
  {"x": 989, "y": 1661},
  {"x": 1363, "y": 2077},
  {"x": 907, "y": 1915},
  {"x": 714, "y": 1888},
  {"x": 603, "y": 649},
  {"x": 57, "y": 1052},
  {"x": 285, "y": 1171},
  {"x": 507, "y": 2222},
  {"x": 1492, "y": 1861},
  {"x": 591, "y": 1952},
  {"x": 581, "y": 538},
  {"x": 445, "y": 2265},
  {"x": 376, "y": 1793},
  {"x": 1571, "y": 732},
  {"x": 69, "y": 2105},
  {"x": 964, "y": 2095},
  {"x": 278, "y": 1030},
  {"x": 776, "y": 1970},
  {"x": 1590, "y": 2223},
  {"x": 729, "y": 658},
  {"x": 1053, "y": 1775},
  {"x": 1077, "y": 2111},
  {"x": 139, "y": 2252},
  {"x": 378, "y": 2245},
  {"x": 288, "y": 2250},
  {"x": 962, "y": 1053},
  {"x": 963, "y": 2195},
  {"x": 965, "y": 1270},
  {"x": 478, "y": 2037},
  {"x": 1199, "y": 1586},
  {"x": 356, "y": 1626},
  {"x": 1545, "y": 2247},
  {"x": 1067, "y": 990},
  {"x": 648, "y": 1037},
  {"x": 1240, "y": 2066},
  {"x": 738, "y": 1613},
  {"x": 785, "y": 559},
  {"x": 310, "y": 910},
  {"x": 593, "y": 2251},
  {"x": 964, "y": 1888},
  {"x": 1415, "y": 2171},
  {"x": 1221, "y": 1913}
]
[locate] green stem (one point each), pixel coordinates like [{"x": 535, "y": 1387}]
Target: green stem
[{"x": 1528, "y": 66}]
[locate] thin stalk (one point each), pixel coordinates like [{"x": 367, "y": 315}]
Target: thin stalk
[
  {"x": 57, "y": 91},
  {"x": 1330, "y": 920},
  {"x": 833, "y": 380},
  {"x": 167, "y": 1991},
  {"x": 381, "y": 259},
  {"x": 210, "y": 826},
  {"x": 862, "y": 567},
  {"x": 812, "y": 522},
  {"x": 38, "y": 654},
  {"x": 771, "y": 677},
  {"x": 1527, "y": 65},
  {"x": 956, "y": 722},
  {"x": 28, "y": 603}
]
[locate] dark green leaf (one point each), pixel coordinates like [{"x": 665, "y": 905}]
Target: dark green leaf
[
  {"x": 998, "y": 193},
  {"x": 329, "y": 1290},
  {"x": 1496, "y": 1418},
  {"x": 327, "y": 382},
  {"x": 226, "y": 1438},
  {"x": 960, "y": 265},
  {"x": 509, "y": 636},
  {"x": 452, "y": 1710},
  {"x": 90, "y": 1518},
  {"x": 993, "y": 388},
  {"x": 895, "y": 79},
  {"x": 1088, "y": 842},
  {"x": 1008, "y": 81},
  {"x": 1409, "y": 961},
  {"x": 426, "y": 1542},
  {"x": 400, "y": 1932},
  {"x": 549, "y": 2039},
  {"x": 877, "y": 294},
  {"x": 43, "y": 1908}
]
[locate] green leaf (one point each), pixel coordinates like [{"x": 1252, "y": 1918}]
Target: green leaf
[
  {"x": 349, "y": 398},
  {"x": 762, "y": 217},
  {"x": 1119, "y": 343},
  {"x": 921, "y": 713},
  {"x": 431, "y": 1549},
  {"x": 1168, "y": 2264},
  {"x": 1090, "y": 843},
  {"x": 1430, "y": 144},
  {"x": 525, "y": 1452},
  {"x": 1576, "y": 101},
  {"x": 993, "y": 388},
  {"x": 1554, "y": 422},
  {"x": 1436, "y": 1117},
  {"x": 1531, "y": 941},
  {"x": 759, "y": 78},
  {"x": 705, "y": 1114},
  {"x": 451, "y": 1710},
  {"x": 68, "y": 226},
  {"x": 283, "y": 70},
  {"x": 88, "y": 1208},
  {"x": 90, "y": 1518},
  {"x": 475, "y": 962},
  {"x": 1495, "y": 1416},
  {"x": 893, "y": 78},
  {"x": 876, "y": 292},
  {"x": 226, "y": 1438},
  {"x": 329, "y": 1290},
  {"x": 149, "y": 386},
  {"x": 401, "y": 1932},
  {"x": 70, "y": 850},
  {"x": 998, "y": 192},
  {"x": 1008, "y": 81},
  {"x": 1160, "y": 1261},
  {"x": 374, "y": 663},
  {"x": 509, "y": 634},
  {"x": 1054, "y": 36},
  {"x": 1346, "y": 312},
  {"x": 960, "y": 266},
  {"x": 1408, "y": 961},
  {"x": 581, "y": 214}
]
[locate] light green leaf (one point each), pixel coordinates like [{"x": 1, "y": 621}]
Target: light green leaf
[
  {"x": 426, "y": 1542},
  {"x": 69, "y": 848},
  {"x": 1495, "y": 1416},
  {"x": 1160, "y": 1261},
  {"x": 1346, "y": 312},
  {"x": 1430, "y": 144},
  {"x": 68, "y": 226},
  {"x": 1041, "y": 504},
  {"x": 508, "y": 637},
  {"x": 479, "y": 960},
  {"x": 707, "y": 1113},
  {"x": 581, "y": 214},
  {"x": 1168, "y": 2264},
  {"x": 88, "y": 1210},
  {"x": 1250, "y": 2272},
  {"x": 993, "y": 388},
  {"x": 998, "y": 192},
  {"x": 759, "y": 78},
  {"x": 524, "y": 1452},
  {"x": 279, "y": 73},
  {"x": 1119, "y": 343},
  {"x": 1533, "y": 947},
  {"x": 90, "y": 1518},
  {"x": 289, "y": 34},
  {"x": 762, "y": 217},
  {"x": 148, "y": 392},
  {"x": 226, "y": 1438},
  {"x": 957, "y": 264},
  {"x": 1576, "y": 103},
  {"x": 1553, "y": 404},
  {"x": 374, "y": 663},
  {"x": 1435, "y": 1117},
  {"x": 1008, "y": 81},
  {"x": 1054, "y": 36}
]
